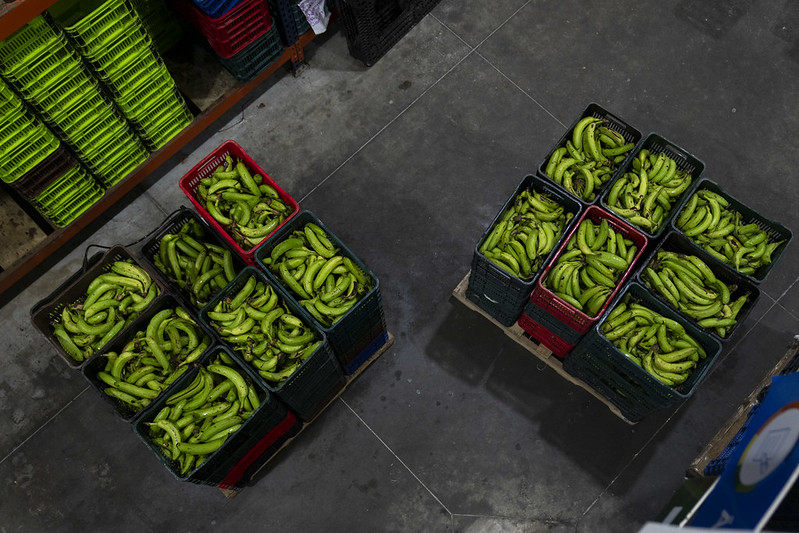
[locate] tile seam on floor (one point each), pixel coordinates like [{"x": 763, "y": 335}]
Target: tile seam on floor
[
  {"x": 472, "y": 50},
  {"x": 385, "y": 127},
  {"x": 41, "y": 427},
  {"x": 397, "y": 457},
  {"x": 491, "y": 34},
  {"x": 629, "y": 463}
]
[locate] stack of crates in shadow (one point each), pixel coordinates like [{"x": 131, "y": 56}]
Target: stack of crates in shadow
[
  {"x": 116, "y": 46},
  {"x": 241, "y": 33},
  {"x": 160, "y": 22}
]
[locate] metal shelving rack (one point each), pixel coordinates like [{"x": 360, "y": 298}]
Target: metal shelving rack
[{"x": 15, "y": 15}]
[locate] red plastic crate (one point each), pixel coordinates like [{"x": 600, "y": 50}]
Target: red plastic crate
[
  {"x": 190, "y": 182},
  {"x": 565, "y": 312},
  {"x": 558, "y": 346},
  {"x": 230, "y": 33}
]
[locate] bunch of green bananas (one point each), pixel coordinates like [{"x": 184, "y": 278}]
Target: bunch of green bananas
[
  {"x": 197, "y": 266},
  {"x": 525, "y": 234},
  {"x": 242, "y": 203},
  {"x": 710, "y": 221},
  {"x": 690, "y": 286},
  {"x": 261, "y": 328},
  {"x": 326, "y": 283},
  {"x": 154, "y": 358},
  {"x": 588, "y": 159},
  {"x": 113, "y": 300},
  {"x": 646, "y": 193},
  {"x": 590, "y": 266},
  {"x": 198, "y": 419},
  {"x": 658, "y": 344}
]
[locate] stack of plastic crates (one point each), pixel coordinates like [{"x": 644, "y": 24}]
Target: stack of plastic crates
[
  {"x": 48, "y": 71},
  {"x": 114, "y": 42},
  {"x": 160, "y": 22},
  {"x": 44, "y": 177},
  {"x": 241, "y": 33}
]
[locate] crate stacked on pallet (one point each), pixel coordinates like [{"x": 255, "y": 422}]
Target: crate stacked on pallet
[
  {"x": 241, "y": 34},
  {"x": 498, "y": 292},
  {"x": 356, "y": 328},
  {"x": 598, "y": 361},
  {"x": 45, "y": 67},
  {"x": 115, "y": 44},
  {"x": 373, "y": 27},
  {"x": 36, "y": 164},
  {"x": 161, "y": 23}
]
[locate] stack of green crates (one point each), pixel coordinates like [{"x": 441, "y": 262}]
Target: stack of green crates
[
  {"x": 117, "y": 46},
  {"x": 47, "y": 70},
  {"x": 161, "y": 23},
  {"x": 69, "y": 196},
  {"x": 24, "y": 139},
  {"x": 25, "y": 145}
]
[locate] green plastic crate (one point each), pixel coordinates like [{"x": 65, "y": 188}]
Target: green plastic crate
[
  {"x": 167, "y": 131},
  {"x": 9, "y": 101},
  {"x": 107, "y": 125},
  {"x": 93, "y": 22},
  {"x": 32, "y": 40},
  {"x": 74, "y": 88},
  {"x": 160, "y": 86},
  {"x": 43, "y": 71},
  {"x": 116, "y": 167},
  {"x": 76, "y": 119},
  {"x": 137, "y": 70},
  {"x": 73, "y": 180},
  {"x": 16, "y": 128},
  {"x": 24, "y": 158},
  {"x": 72, "y": 211},
  {"x": 82, "y": 190}
]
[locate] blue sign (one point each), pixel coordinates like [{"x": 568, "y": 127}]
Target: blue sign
[{"x": 762, "y": 468}]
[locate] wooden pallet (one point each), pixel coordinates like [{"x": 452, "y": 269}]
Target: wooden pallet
[
  {"x": 543, "y": 353},
  {"x": 723, "y": 437},
  {"x": 230, "y": 493}
]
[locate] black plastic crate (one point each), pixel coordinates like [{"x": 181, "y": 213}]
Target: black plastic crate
[
  {"x": 739, "y": 284},
  {"x": 685, "y": 161},
  {"x": 613, "y": 122},
  {"x": 775, "y": 231},
  {"x": 355, "y": 329},
  {"x": 315, "y": 378},
  {"x": 636, "y": 393},
  {"x": 373, "y": 27},
  {"x": 173, "y": 224},
  {"x": 98, "y": 363},
  {"x": 497, "y": 292},
  {"x": 219, "y": 468},
  {"x": 74, "y": 290}
]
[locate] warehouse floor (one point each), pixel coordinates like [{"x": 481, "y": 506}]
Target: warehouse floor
[{"x": 455, "y": 427}]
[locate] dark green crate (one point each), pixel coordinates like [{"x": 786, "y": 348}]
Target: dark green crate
[
  {"x": 173, "y": 224},
  {"x": 614, "y": 122},
  {"x": 497, "y": 292},
  {"x": 599, "y": 364},
  {"x": 775, "y": 230},
  {"x": 320, "y": 373},
  {"x": 685, "y": 161},
  {"x": 351, "y": 333},
  {"x": 97, "y": 363},
  {"x": 677, "y": 242},
  {"x": 215, "y": 469}
]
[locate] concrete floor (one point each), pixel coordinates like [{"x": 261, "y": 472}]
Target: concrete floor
[{"x": 455, "y": 428}]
